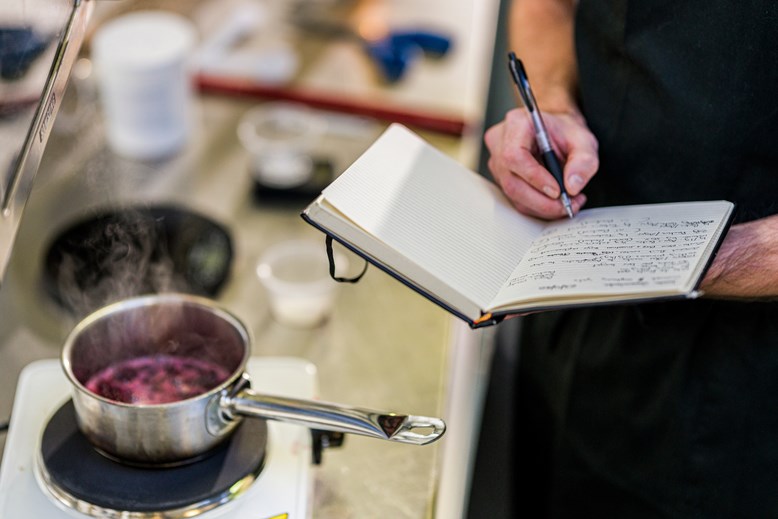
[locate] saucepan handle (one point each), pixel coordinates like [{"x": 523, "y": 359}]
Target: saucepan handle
[{"x": 417, "y": 430}]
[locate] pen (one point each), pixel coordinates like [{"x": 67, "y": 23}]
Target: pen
[{"x": 544, "y": 143}]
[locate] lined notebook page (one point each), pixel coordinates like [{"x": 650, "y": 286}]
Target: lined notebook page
[
  {"x": 614, "y": 250},
  {"x": 434, "y": 211}
]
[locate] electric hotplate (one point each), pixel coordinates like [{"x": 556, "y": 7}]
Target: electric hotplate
[{"x": 283, "y": 487}]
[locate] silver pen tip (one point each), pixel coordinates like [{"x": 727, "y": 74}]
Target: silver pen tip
[{"x": 567, "y": 204}]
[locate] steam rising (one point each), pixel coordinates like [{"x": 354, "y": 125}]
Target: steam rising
[
  {"x": 125, "y": 253},
  {"x": 113, "y": 258}
]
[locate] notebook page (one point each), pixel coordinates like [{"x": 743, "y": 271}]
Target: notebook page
[
  {"x": 612, "y": 250},
  {"x": 434, "y": 211}
]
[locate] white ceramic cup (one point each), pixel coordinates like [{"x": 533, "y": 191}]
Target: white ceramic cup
[
  {"x": 143, "y": 73},
  {"x": 296, "y": 276}
]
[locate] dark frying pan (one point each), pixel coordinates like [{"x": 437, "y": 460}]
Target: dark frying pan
[{"x": 124, "y": 252}]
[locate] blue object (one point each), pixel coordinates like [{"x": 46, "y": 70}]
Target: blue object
[
  {"x": 396, "y": 51},
  {"x": 433, "y": 44},
  {"x": 19, "y": 47}
]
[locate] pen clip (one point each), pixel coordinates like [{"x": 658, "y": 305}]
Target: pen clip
[{"x": 520, "y": 78}]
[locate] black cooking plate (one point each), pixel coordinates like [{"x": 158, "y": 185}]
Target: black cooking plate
[
  {"x": 121, "y": 253},
  {"x": 77, "y": 469}
]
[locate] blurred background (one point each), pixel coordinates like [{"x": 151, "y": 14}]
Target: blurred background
[{"x": 180, "y": 151}]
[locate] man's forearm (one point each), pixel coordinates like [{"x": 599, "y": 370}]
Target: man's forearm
[
  {"x": 541, "y": 34},
  {"x": 746, "y": 266}
]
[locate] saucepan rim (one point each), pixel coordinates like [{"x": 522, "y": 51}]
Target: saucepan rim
[{"x": 150, "y": 300}]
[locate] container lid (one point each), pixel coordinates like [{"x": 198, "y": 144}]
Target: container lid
[{"x": 144, "y": 40}]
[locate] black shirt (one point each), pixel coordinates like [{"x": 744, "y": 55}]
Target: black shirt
[{"x": 663, "y": 410}]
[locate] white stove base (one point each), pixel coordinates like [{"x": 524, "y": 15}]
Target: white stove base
[{"x": 282, "y": 491}]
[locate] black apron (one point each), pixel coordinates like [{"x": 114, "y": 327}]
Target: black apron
[{"x": 663, "y": 409}]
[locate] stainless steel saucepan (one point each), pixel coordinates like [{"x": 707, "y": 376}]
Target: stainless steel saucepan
[{"x": 180, "y": 431}]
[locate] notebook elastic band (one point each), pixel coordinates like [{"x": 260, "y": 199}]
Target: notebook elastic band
[{"x": 331, "y": 259}]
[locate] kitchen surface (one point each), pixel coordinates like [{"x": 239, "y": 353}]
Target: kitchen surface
[{"x": 380, "y": 346}]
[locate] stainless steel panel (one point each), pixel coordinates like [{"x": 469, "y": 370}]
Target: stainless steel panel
[{"x": 30, "y": 99}]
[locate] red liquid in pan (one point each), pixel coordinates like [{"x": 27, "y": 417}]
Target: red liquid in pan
[{"x": 156, "y": 379}]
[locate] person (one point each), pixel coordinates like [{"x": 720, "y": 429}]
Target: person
[{"x": 658, "y": 409}]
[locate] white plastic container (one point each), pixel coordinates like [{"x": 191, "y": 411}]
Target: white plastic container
[
  {"x": 144, "y": 78},
  {"x": 296, "y": 276}
]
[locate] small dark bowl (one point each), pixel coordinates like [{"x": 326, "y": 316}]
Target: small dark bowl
[{"x": 122, "y": 253}]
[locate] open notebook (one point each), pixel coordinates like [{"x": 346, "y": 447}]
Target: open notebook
[{"x": 451, "y": 235}]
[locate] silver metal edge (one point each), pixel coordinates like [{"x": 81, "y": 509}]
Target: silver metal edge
[{"x": 23, "y": 174}]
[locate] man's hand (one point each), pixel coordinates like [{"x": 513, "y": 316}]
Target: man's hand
[{"x": 516, "y": 168}]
